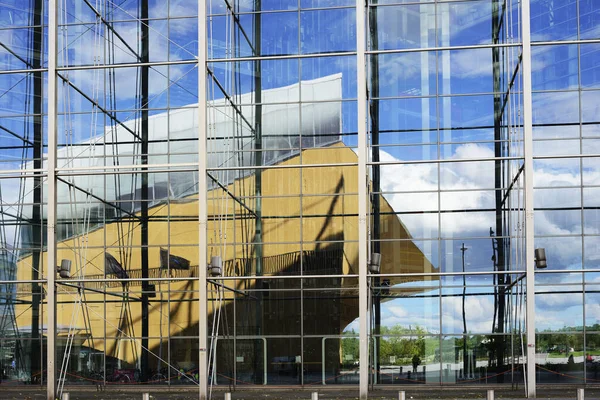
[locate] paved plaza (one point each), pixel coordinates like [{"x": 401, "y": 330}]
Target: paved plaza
[{"x": 330, "y": 393}]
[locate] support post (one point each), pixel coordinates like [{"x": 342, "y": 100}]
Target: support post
[
  {"x": 50, "y": 267},
  {"x": 202, "y": 203},
  {"x": 258, "y": 157},
  {"x": 528, "y": 175},
  {"x": 373, "y": 102},
  {"x": 145, "y": 59},
  {"x": 36, "y": 212},
  {"x": 362, "y": 200},
  {"x": 499, "y": 172}
]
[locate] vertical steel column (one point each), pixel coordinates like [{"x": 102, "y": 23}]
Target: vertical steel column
[
  {"x": 258, "y": 154},
  {"x": 362, "y": 198},
  {"x": 36, "y": 212},
  {"x": 145, "y": 59},
  {"x": 528, "y": 172},
  {"x": 375, "y": 177},
  {"x": 50, "y": 266},
  {"x": 202, "y": 204},
  {"x": 500, "y": 262}
]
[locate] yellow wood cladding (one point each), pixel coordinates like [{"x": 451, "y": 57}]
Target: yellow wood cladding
[{"x": 328, "y": 207}]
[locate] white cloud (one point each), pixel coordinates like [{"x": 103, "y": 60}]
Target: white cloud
[
  {"x": 413, "y": 313},
  {"x": 455, "y": 176},
  {"x": 471, "y": 63},
  {"x": 479, "y": 311}
]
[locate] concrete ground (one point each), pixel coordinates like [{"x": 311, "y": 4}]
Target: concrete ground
[{"x": 274, "y": 393}]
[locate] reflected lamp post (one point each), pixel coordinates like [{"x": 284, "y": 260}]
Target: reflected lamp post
[{"x": 463, "y": 248}]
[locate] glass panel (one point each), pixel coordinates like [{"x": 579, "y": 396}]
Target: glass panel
[
  {"x": 589, "y": 112},
  {"x": 561, "y": 252},
  {"x": 475, "y": 310},
  {"x": 314, "y": 356},
  {"x": 555, "y": 108},
  {"x": 467, "y": 111},
  {"x": 183, "y": 368},
  {"x": 460, "y": 77},
  {"x": 405, "y": 26},
  {"x": 409, "y": 305},
  {"x": 405, "y": 74},
  {"x": 341, "y": 359},
  {"x": 590, "y": 72},
  {"x": 589, "y": 16},
  {"x": 556, "y": 148},
  {"x": 327, "y": 31},
  {"x": 250, "y": 361},
  {"x": 284, "y": 361},
  {"x": 408, "y": 359},
  {"x": 559, "y": 308},
  {"x": 472, "y": 359},
  {"x": 553, "y": 21},
  {"x": 592, "y": 356},
  {"x": 285, "y": 42},
  {"x": 563, "y": 359},
  {"x": 468, "y": 23},
  {"x": 591, "y": 252},
  {"x": 556, "y": 67}
]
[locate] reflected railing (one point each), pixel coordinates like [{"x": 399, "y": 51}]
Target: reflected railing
[{"x": 314, "y": 261}]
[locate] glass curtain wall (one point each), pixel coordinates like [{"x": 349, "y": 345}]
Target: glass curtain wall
[
  {"x": 446, "y": 154},
  {"x": 444, "y": 138},
  {"x": 565, "y": 58}
]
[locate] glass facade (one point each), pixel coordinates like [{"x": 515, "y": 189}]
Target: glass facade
[{"x": 278, "y": 192}]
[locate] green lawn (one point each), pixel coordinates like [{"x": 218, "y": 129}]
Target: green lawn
[{"x": 575, "y": 354}]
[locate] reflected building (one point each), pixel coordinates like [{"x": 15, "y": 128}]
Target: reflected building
[{"x": 293, "y": 193}]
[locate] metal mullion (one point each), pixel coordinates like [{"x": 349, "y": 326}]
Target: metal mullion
[
  {"x": 529, "y": 207},
  {"x": 119, "y": 65},
  {"x": 362, "y": 182},
  {"x": 457, "y": 273},
  {"x": 283, "y": 57},
  {"x": 446, "y": 160},
  {"x": 301, "y": 190},
  {"x": 22, "y": 71},
  {"x": 169, "y": 219},
  {"x": 443, "y": 48},
  {"x": 563, "y": 42},
  {"x": 52, "y": 199},
  {"x": 288, "y": 11},
  {"x": 421, "y": 144},
  {"x": 292, "y": 102},
  {"x": 202, "y": 203},
  {"x": 583, "y": 277},
  {"x": 121, "y": 21},
  {"x": 416, "y": 2},
  {"x": 263, "y": 277}
]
